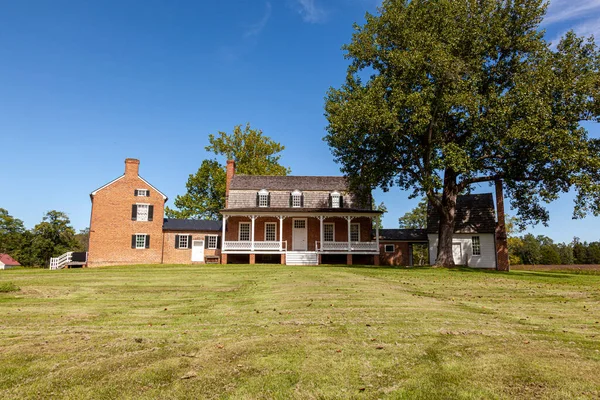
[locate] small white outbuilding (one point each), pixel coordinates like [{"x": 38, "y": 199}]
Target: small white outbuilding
[{"x": 7, "y": 261}]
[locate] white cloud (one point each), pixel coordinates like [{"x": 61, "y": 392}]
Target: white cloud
[
  {"x": 311, "y": 12},
  {"x": 568, "y": 10},
  {"x": 255, "y": 29}
]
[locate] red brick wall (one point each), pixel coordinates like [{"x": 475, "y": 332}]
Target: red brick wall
[
  {"x": 399, "y": 257},
  {"x": 313, "y": 226},
  {"x": 111, "y": 226},
  {"x": 171, "y": 255}
]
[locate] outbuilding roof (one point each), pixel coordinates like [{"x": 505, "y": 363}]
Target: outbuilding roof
[
  {"x": 475, "y": 213},
  {"x": 191, "y": 225},
  {"x": 270, "y": 182},
  {"x": 418, "y": 235},
  {"x": 8, "y": 260}
]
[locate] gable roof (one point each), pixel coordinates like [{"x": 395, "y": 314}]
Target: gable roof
[
  {"x": 123, "y": 176},
  {"x": 403, "y": 234},
  {"x": 270, "y": 182},
  {"x": 475, "y": 213},
  {"x": 8, "y": 260},
  {"x": 191, "y": 225}
]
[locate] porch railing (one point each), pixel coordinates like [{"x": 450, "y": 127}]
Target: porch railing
[
  {"x": 239, "y": 245},
  {"x": 343, "y": 246}
]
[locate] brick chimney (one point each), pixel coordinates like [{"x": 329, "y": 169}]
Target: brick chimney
[
  {"x": 230, "y": 174},
  {"x": 132, "y": 167},
  {"x": 501, "y": 236}
]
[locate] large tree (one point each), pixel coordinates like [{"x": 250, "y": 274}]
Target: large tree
[
  {"x": 52, "y": 237},
  {"x": 464, "y": 92},
  {"x": 254, "y": 154}
]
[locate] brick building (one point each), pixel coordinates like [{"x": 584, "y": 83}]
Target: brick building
[{"x": 127, "y": 226}]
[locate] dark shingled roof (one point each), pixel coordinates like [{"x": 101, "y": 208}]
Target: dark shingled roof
[
  {"x": 191, "y": 225},
  {"x": 475, "y": 213},
  {"x": 271, "y": 210},
  {"x": 257, "y": 182},
  {"x": 403, "y": 234}
]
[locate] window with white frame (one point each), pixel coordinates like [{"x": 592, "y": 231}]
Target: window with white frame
[
  {"x": 296, "y": 199},
  {"x": 142, "y": 212},
  {"x": 141, "y": 192},
  {"x": 140, "y": 241},
  {"x": 244, "y": 233},
  {"x": 329, "y": 232},
  {"x": 476, "y": 246},
  {"x": 263, "y": 198},
  {"x": 355, "y": 232},
  {"x": 300, "y": 223},
  {"x": 184, "y": 241},
  {"x": 270, "y": 231},
  {"x": 335, "y": 200},
  {"x": 390, "y": 248},
  {"x": 211, "y": 241}
]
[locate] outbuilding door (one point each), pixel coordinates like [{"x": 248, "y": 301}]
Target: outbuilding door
[
  {"x": 458, "y": 254},
  {"x": 299, "y": 234},
  {"x": 198, "y": 250}
]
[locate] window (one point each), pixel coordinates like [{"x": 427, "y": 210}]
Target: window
[
  {"x": 244, "y": 234},
  {"x": 476, "y": 245},
  {"x": 263, "y": 198},
  {"x": 142, "y": 192},
  {"x": 270, "y": 231},
  {"x": 184, "y": 241},
  {"x": 390, "y": 248},
  {"x": 211, "y": 241},
  {"x": 297, "y": 199},
  {"x": 140, "y": 241},
  {"x": 142, "y": 212},
  {"x": 355, "y": 232},
  {"x": 329, "y": 232},
  {"x": 299, "y": 223},
  {"x": 335, "y": 200}
]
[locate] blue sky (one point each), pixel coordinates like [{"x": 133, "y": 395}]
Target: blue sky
[{"x": 86, "y": 84}]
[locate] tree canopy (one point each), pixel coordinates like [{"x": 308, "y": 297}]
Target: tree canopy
[
  {"x": 254, "y": 154},
  {"x": 463, "y": 92},
  {"x": 416, "y": 218}
]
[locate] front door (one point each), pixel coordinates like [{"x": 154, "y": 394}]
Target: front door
[
  {"x": 458, "y": 253},
  {"x": 198, "y": 250},
  {"x": 299, "y": 234}
]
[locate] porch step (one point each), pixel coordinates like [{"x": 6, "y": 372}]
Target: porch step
[{"x": 301, "y": 258}]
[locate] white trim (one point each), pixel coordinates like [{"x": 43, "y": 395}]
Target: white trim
[
  {"x": 389, "y": 244},
  {"x": 123, "y": 176},
  {"x": 335, "y": 199},
  {"x": 297, "y": 194},
  {"x": 294, "y": 233},
  {"x": 300, "y": 214},
  {"x": 187, "y": 240},
  {"x": 208, "y": 247},
  {"x": 136, "y": 241},
  {"x": 240, "y": 231},
  {"x": 137, "y": 212},
  {"x": 275, "y": 231},
  {"x": 261, "y": 193},
  {"x": 145, "y": 192},
  {"x": 333, "y": 236}
]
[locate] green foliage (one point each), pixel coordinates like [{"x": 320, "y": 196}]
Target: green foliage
[
  {"x": 378, "y": 222},
  {"x": 205, "y": 194},
  {"x": 52, "y": 237},
  {"x": 6, "y": 287},
  {"x": 83, "y": 238},
  {"x": 416, "y": 218},
  {"x": 462, "y": 92},
  {"x": 254, "y": 154}
]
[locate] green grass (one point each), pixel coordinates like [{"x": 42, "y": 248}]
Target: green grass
[
  {"x": 6, "y": 287},
  {"x": 256, "y": 331}
]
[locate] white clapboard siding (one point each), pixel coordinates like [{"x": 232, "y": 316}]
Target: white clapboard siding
[{"x": 487, "y": 259}]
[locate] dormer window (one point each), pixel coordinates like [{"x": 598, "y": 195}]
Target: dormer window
[
  {"x": 263, "y": 198},
  {"x": 297, "y": 199},
  {"x": 335, "y": 200}
]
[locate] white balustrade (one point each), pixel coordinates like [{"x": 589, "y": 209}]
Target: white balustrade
[
  {"x": 343, "y": 246},
  {"x": 230, "y": 245}
]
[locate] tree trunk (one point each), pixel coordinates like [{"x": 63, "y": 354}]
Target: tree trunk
[{"x": 447, "y": 212}]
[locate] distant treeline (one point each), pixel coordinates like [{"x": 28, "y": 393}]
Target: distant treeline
[
  {"x": 531, "y": 250},
  {"x": 52, "y": 237}
]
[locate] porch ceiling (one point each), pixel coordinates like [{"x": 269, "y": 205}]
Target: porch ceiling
[{"x": 305, "y": 212}]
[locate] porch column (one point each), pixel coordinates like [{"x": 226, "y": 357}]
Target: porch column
[
  {"x": 224, "y": 229},
  {"x": 321, "y": 233},
  {"x": 281, "y": 233},
  {"x": 349, "y": 234},
  {"x": 377, "y": 232},
  {"x": 253, "y": 217}
]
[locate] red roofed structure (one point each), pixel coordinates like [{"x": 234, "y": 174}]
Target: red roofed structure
[{"x": 7, "y": 261}]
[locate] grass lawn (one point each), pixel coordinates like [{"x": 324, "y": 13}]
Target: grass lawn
[{"x": 241, "y": 331}]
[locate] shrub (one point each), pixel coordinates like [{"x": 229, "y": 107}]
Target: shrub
[{"x": 6, "y": 287}]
